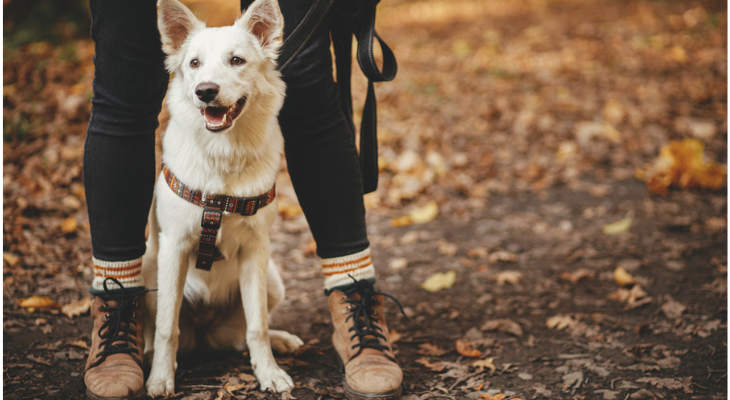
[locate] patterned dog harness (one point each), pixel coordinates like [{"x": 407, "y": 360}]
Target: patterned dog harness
[{"x": 214, "y": 205}]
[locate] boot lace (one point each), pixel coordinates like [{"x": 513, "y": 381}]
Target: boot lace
[
  {"x": 366, "y": 327},
  {"x": 117, "y": 332}
]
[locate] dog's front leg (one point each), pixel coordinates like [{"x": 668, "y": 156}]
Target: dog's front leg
[
  {"x": 253, "y": 281},
  {"x": 172, "y": 270}
]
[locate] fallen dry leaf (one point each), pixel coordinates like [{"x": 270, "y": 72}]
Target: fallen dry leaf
[
  {"x": 439, "y": 281},
  {"x": 617, "y": 227},
  {"x": 34, "y": 303},
  {"x": 503, "y": 325},
  {"x": 673, "y": 309},
  {"x": 628, "y": 296},
  {"x": 69, "y": 225},
  {"x": 447, "y": 248},
  {"x": 511, "y": 277},
  {"x": 485, "y": 363},
  {"x": 466, "y": 350},
  {"x": 576, "y": 276},
  {"x": 622, "y": 277},
  {"x": 395, "y": 336},
  {"x": 76, "y": 308},
  {"x": 79, "y": 343},
  {"x": 428, "y": 349},
  {"x": 435, "y": 367},
  {"x": 560, "y": 322},
  {"x": 427, "y": 213},
  {"x": 401, "y": 221},
  {"x": 502, "y": 255},
  {"x": 682, "y": 165},
  {"x": 11, "y": 259}
]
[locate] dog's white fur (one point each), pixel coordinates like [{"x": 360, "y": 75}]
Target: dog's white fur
[{"x": 240, "y": 161}]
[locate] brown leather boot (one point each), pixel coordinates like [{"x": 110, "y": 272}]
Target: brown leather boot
[
  {"x": 114, "y": 367},
  {"x": 361, "y": 338}
]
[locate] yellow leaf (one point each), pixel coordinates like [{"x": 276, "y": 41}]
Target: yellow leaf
[
  {"x": 617, "y": 227},
  {"x": 69, "y": 225},
  {"x": 76, "y": 308},
  {"x": 622, "y": 277},
  {"x": 401, "y": 221},
  {"x": 440, "y": 281},
  {"x": 465, "y": 349},
  {"x": 11, "y": 259},
  {"x": 486, "y": 363},
  {"x": 511, "y": 277},
  {"x": 38, "y": 302},
  {"x": 427, "y": 213}
]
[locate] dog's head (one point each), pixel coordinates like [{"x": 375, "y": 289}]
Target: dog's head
[{"x": 222, "y": 69}]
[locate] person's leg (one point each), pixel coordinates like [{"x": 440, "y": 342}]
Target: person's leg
[
  {"x": 325, "y": 171},
  {"x": 119, "y": 167},
  {"x": 322, "y": 156}
]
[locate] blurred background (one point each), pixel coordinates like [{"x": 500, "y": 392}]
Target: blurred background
[{"x": 521, "y": 140}]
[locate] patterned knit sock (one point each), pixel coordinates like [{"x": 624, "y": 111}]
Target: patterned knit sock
[
  {"x": 128, "y": 273},
  {"x": 340, "y": 271}
]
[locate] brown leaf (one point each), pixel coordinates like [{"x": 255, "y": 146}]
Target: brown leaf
[
  {"x": 502, "y": 255},
  {"x": 76, "y": 308},
  {"x": 576, "y": 276},
  {"x": 428, "y": 349},
  {"x": 435, "y": 367},
  {"x": 673, "y": 309},
  {"x": 503, "y": 325},
  {"x": 511, "y": 277},
  {"x": 465, "y": 349}
]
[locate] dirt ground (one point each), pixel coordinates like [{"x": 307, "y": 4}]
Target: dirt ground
[{"x": 510, "y": 144}]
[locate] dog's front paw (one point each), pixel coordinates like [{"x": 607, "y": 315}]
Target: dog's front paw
[
  {"x": 274, "y": 379},
  {"x": 158, "y": 385},
  {"x": 284, "y": 342}
]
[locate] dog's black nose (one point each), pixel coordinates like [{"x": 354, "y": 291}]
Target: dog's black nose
[{"x": 207, "y": 91}]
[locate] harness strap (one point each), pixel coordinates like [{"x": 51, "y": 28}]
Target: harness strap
[
  {"x": 357, "y": 20},
  {"x": 215, "y": 205}
]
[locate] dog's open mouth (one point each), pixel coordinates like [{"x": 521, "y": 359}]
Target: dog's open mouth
[{"x": 220, "y": 118}]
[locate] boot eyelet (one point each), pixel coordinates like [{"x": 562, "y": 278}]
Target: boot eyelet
[
  {"x": 106, "y": 318},
  {"x": 134, "y": 314},
  {"x": 102, "y": 309},
  {"x": 342, "y": 300},
  {"x": 375, "y": 313}
]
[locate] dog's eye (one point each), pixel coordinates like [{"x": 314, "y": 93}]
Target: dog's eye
[
  {"x": 237, "y": 61},
  {"x": 194, "y": 63}
]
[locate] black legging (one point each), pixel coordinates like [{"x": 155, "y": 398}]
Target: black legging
[{"x": 129, "y": 85}]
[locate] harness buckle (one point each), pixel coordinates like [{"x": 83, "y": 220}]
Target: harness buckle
[{"x": 251, "y": 207}]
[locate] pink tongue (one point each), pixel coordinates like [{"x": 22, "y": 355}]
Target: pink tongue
[{"x": 215, "y": 114}]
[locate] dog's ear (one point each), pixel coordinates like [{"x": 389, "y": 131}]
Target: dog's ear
[
  {"x": 263, "y": 18},
  {"x": 175, "y": 22}
]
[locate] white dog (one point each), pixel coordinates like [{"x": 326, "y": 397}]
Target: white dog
[{"x": 223, "y": 138}]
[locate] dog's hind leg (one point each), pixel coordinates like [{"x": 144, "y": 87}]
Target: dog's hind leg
[
  {"x": 172, "y": 270},
  {"x": 253, "y": 280}
]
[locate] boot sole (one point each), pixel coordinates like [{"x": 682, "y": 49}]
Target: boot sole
[
  {"x": 353, "y": 394},
  {"x": 137, "y": 396}
]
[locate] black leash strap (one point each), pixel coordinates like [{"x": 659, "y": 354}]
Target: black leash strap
[{"x": 351, "y": 17}]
